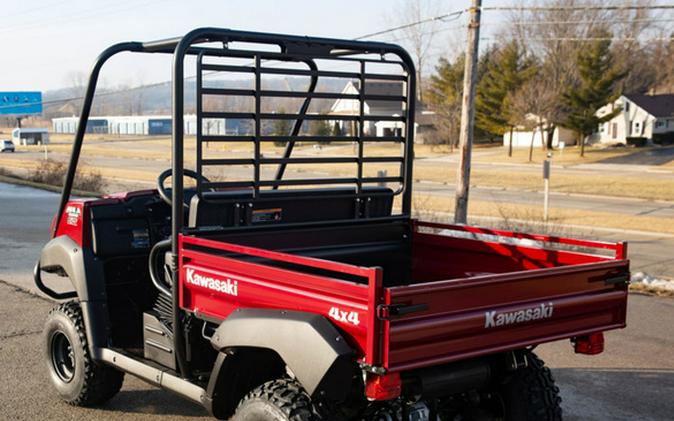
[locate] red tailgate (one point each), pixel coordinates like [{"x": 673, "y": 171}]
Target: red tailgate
[{"x": 471, "y": 316}]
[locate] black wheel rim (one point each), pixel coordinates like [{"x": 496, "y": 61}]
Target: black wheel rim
[{"x": 62, "y": 357}]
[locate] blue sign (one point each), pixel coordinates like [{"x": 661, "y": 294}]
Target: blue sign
[{"x": 20, "y": 103}]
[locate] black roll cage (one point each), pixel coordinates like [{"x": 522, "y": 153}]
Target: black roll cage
[{"x": 293, "y": 48}]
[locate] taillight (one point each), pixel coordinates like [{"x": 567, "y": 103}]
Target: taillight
[
  {"x": 591, "y": 344},
  {"x": 383, "y": 387}
]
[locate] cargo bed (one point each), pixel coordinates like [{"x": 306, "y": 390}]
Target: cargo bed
[{"x": 415, "y": 294}]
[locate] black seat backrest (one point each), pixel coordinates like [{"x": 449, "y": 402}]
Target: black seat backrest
[{"x": 234, "y": 208}]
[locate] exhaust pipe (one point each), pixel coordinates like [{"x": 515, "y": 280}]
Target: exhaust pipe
[{"x": 449, "y": 379}]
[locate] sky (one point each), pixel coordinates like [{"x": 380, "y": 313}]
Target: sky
[{"x": 47, "y": 43}]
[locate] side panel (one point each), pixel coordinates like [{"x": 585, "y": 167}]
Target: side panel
[
  {"x": 215, "y": 285},
  {"x": 74, "y": 222}
]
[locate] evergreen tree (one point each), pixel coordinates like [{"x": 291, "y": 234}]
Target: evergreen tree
[
  {"x": 444, "y": 97},
  {"x": 321, "y": 128},
  {"x": 510, "y": 68},
  {"x": 281, "y": 128},
  {"x": 599, "y": 77},
  {"x": 446, "y": 92},
  {"x": 336, "y": 129}
]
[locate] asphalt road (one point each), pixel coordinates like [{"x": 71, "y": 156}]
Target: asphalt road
[
  {"x": 632, "y": 380},
  {"x": 626, "y": 206}
]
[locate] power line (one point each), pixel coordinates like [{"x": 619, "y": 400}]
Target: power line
[
  {"x": 590, "y": 39},
  {"x": 575, "y": 8},
  {"x": 579, "y": 22},
  {"x": 453, "y": 15}
]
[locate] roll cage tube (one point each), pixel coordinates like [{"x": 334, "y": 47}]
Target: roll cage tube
[
  {"x": 298, "y": 123},
  {"x": 84, "y": 118},
  {"x": 294, "y": 46}
]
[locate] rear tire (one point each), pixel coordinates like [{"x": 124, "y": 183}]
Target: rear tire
[
  {"x": 77, "y": 378},
  {"x": 530, "y": 393},
  {"x": 276, "y": 400}
]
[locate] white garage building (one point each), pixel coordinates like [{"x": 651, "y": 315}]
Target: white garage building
[
  {"x": 522, "y": 137},
  {"x": 144, "y": 125}
]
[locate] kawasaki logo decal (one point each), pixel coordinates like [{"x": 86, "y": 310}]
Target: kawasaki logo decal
[
  {"x": 228, "y": 287},
  {"x": 494, "y": 319}
]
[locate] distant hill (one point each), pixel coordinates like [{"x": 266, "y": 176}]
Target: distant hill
[{"x": 155, "y": 99}]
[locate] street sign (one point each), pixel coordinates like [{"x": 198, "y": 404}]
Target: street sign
[{"x": 20, "y": 103}]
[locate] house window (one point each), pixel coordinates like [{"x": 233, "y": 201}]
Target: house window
[
  {"x": 601, "y": 127},
  {"x": 637, "y": 128},
  {"x": 627, "y": 106},
  {"x": 659, "y": 124}
]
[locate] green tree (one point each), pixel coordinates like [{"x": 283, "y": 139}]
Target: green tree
[
  {"x": 599, "y": 77},
  {"x": 320, "y": 128},
  {"x": 281, "y": 128},
  {"x": 510, "y": 68},
  {"x": 444, "y": 97},
  {"x": 336, "y": 129}
]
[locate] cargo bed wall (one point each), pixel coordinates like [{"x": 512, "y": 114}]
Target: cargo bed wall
[{"x": 437, "y": 257}]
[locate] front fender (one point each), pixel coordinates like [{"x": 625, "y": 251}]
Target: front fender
[
  {"x": 86, "y": 274},
  {"x": 308, "y": 343},
  {"x": 77, "y": 263}
]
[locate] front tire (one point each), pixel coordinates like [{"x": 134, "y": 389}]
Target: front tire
[
  {"x": 276, "y": 400},
  {"x": 77, "y": 378},
  {"x": 530, "y": 394}
]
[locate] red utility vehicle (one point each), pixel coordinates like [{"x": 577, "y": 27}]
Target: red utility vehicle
[{"x": 292, "y": 295}]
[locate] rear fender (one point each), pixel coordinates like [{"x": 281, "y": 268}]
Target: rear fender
[
  {"x": 309, "y": 345},
  {"x": 86, "y": 274}
]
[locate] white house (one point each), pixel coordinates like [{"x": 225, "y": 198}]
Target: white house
[
  {"x": 349, "y": 106},
  {"x": 522, "y": 137},
  {"x": 424, "y": 125},
  {"x": 641, "y": 118}
]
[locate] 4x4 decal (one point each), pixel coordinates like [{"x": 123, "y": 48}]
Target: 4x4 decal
[{"x": 344, "y": 316}]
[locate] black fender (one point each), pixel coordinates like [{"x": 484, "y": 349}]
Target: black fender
[
  {"x": 62, "y": 254},
  {"x": 310, "y": 346}
]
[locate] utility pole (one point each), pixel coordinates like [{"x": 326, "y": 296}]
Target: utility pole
[{"x": 467, "y": 114}]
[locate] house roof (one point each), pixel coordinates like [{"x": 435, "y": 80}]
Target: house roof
[
  {"x": 656, "y": 105},
  {"x": 379, "y": 88}
]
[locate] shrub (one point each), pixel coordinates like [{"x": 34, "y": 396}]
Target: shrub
[{"x": 53, "y": 173}]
